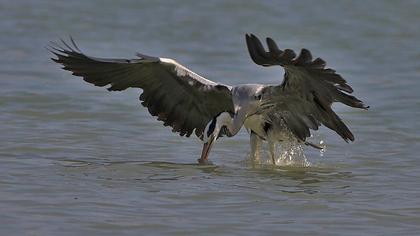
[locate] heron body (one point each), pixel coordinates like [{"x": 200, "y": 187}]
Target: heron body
[{"x": 190, "y": 103}]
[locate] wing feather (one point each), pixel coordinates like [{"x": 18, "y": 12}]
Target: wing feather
[
  {"x": 179, "y": 97},
  {"x": 303, "y": 101}
]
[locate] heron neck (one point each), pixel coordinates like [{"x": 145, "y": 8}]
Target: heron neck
[{"x": 232, "y": 124}]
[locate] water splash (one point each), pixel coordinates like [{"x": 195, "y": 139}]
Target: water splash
[
  {"x": 286, "y": 153},
  {"x": 324, "y": 148},
  {"x": 291, "y": 153}
]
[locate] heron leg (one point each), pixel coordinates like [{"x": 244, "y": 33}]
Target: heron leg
[
  {"x": 255, "y": 142},
  {"x": 272, "y": 146}
]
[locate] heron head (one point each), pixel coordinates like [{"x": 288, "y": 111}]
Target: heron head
[{"x": 250, "y": 99}]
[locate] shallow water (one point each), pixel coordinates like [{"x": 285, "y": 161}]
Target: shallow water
[{"x": 77, "y": 160}]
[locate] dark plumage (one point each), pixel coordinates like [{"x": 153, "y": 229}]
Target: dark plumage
[
  {"x": 303, "y": 100},
  {"x": 177, "y": 96}
]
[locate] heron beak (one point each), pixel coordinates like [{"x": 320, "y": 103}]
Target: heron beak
[{"x": 206, "y": 151}]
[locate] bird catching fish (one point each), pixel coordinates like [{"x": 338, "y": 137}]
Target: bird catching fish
[{"x": 192, "y": 104}]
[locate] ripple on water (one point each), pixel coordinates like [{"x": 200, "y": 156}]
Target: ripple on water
[{"x": 73, "y": 156}]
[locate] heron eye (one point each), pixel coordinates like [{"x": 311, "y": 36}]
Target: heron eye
[{"x": 258, "y": 97}]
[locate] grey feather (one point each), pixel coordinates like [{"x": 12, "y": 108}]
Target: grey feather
[
  {"x": 179, "y": 97},
  {"x": 303, "y": 101}
]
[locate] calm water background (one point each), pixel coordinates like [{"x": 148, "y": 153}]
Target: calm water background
[{"x": 77, "y": 160}]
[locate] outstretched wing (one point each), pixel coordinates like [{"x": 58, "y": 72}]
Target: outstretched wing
[
  {"x": 303, "y": 101},
  {"x": 179, "y": 97}
]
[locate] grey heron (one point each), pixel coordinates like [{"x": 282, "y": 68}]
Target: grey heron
[{"x": 190, "y": 103}]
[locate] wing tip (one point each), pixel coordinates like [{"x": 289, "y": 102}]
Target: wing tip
[
  {"x": 275, "y": 56},
  {"x": 63, "y": 50}
]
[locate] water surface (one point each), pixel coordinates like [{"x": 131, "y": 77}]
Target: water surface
[{"x": 77, "y": 160}]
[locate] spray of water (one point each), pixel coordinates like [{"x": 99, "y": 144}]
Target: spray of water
[{"x": 290, "y": 152}]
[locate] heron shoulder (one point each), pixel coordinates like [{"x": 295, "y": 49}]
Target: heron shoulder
[{"x": 183, "y": 71}]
